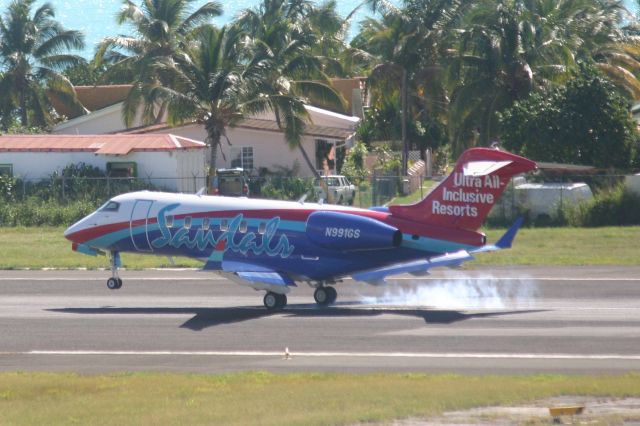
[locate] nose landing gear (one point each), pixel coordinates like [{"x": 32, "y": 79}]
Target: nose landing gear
[{"x": 115, "y": 282}]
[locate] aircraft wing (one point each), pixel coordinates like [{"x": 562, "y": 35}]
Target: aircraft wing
[{"x": 376, "y": 276}]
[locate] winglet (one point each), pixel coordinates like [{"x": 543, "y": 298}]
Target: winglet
[{"x": 507, "y": 239}]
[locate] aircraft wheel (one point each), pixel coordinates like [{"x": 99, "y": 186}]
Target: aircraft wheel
[
  {"x": 283, "y": 300},
  {"x": 332, "y": 293},
  {"x": 274, "y": 301},
  {"x": 323, "y": 295},
  {"x": 114, "y": 283}
]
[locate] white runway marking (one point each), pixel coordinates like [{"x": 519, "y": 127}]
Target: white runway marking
[{"x": 339, "y": 354}]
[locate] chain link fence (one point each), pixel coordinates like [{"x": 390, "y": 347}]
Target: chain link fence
[{"x": 579, "y": 200}]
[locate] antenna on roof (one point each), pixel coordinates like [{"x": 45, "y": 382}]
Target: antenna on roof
[
  {"x": 201, "y": 192},
  {"x": 302, "y": 199}
]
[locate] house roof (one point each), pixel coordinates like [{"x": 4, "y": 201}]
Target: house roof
[
  {"x": 92, "y": 98},
  {"x": 257, "y": 124},
  {"x": 98, "y": 144}
]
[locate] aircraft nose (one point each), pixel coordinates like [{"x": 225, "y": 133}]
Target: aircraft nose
[
  {"x": 74, "y": 232},
  {"x": 70, "y": 231}
]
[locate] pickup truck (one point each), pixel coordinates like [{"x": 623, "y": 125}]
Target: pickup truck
[{"x": 340, "y": 189}]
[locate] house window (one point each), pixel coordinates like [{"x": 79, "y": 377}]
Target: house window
[
  {"x": 329, "y": 155},
  {"x": 122, "y": 169},
  {"x": 6, "y": 170},
  {"x": 242, "y": 156}
]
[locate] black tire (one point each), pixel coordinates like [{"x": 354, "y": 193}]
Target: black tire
[
  {"x": 274, "y": 301},
  {"x": 119, "y": 283},
  {"x": 114, "y": 283},
  {"x": 283, "y": 300},
  {"x": 322, "y": 296},
  {"x": 333, "y": 295}
]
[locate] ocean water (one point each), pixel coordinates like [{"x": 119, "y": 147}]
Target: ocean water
[{"x": 96, "y": 18}]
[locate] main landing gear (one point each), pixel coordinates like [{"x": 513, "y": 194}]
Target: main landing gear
[
  {"x": 115, "y": 282},
  {"x": 325, "y": 296},
  {"x": 274, "y": 301}
]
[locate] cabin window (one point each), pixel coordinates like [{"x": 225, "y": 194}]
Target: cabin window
[
  {"x": 110, "y": 206},
  {"x": 122, "y": 169},
  {"x": 187, "y": 222},
  {"x": 224, "y": 225},
  {"x": 6, "y": 170},
  {"x": 169, "y": 220},
  {"x": 205, "y": 224},
  {"x": 243, "y": 226},
  {"x": 262, "y": 228}
]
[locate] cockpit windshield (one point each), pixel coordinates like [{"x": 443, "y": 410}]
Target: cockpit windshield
[{"x": 110, "y": 206}]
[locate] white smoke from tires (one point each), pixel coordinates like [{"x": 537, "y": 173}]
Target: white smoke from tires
[{"x": 478, "y": 292}]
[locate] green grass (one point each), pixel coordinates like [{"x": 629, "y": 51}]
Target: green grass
[
  {"x": 567, "y": 246},
  {"x": 417, "y": 195},
  {"x": 46, "y": 248},
  {"x": 268, "y": 399}
]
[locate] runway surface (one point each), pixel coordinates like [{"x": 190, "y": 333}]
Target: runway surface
[{"x": 515, "y": 320}]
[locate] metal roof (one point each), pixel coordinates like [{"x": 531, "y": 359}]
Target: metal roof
[
  {"x": 257, "y": 124},
  {"x": 98, "y": 144}
]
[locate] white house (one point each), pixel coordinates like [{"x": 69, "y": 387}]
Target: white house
[
  {"x": 166, "y": 160},
  {"x": 256, "y": 142}
]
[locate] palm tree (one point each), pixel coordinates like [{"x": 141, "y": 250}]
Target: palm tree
[
  {"x": 509, "y": 48},
  {"x": 33, "y": 51},
  {"x": 411, "y": 45},
  {"x": 213, "y": 88},
  {"x": 163, "y": 30},
  {"x": 283, "y": 38}
]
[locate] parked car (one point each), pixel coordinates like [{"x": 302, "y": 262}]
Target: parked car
[
  {"x": 230, "y": 182},
  {"x": 341, "y": 190}
]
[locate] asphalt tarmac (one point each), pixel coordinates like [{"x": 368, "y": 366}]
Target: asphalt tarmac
[{"x": 580, "y": 320}]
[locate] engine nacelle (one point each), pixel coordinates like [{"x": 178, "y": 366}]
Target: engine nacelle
[{"x": 348, "y": 232}]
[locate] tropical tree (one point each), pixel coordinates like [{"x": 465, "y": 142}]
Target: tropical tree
[
  {"x": 411, "y": 44},
  {"x": 33, "y": 52},
  {"x": 585, "y": 121},
  {"x": 511, "y": 48},
  {"x": 163, "y": 30},
  {"x": 290, "y": 73},
  {"x": 213, "y": 88}
]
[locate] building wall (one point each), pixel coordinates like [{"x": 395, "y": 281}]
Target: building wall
[
  {"x": 269, "y": 148},
  {"x": 163, "y": 169}
]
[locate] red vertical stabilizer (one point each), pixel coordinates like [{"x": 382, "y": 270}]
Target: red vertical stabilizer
[{"x": 466, "y": 196}]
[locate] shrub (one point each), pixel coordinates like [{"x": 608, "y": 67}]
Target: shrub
[{"x": 614, "y": 207}]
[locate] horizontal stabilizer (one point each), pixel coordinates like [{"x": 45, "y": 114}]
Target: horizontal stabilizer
[
  {"x": 416, "y": 266},
  {"x": 505, "y": 241}
]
